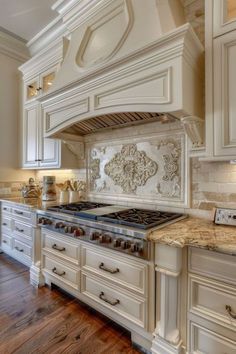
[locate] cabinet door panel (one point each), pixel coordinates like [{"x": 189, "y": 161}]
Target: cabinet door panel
[
  {"x": 50, "y": 153},
  {"x": 30, "y": 137},
  {"x": 225, "y": 95},
  {"x": 224, "y": 12}
]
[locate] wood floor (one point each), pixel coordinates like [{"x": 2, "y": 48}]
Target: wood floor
[{"x": 50, "y": 321}]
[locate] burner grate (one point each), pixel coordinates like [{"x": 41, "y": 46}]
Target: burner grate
[
  {"x": 74, "y": 208},
  {"x": 140, "y": 218}
]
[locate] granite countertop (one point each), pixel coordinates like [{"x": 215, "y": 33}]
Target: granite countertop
[
  {"x": 191, "y": 231},
  {"x": 34, "y": 203},
  {"x": 197, "y": 232}
]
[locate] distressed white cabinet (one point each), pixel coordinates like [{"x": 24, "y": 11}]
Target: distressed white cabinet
[
  {"x": 36, "y": 86},
  {"x": 224, "y": 12},
  {"x": 38, "y": 152},
  {"x": 224, "y": 53},
  {"x": 211, "y": 302},
  {"x": 220, "y": 60}
]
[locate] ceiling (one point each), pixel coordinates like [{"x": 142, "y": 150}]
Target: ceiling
[{"x": 25, "y": 18}]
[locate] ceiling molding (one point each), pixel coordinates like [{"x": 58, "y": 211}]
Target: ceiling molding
[
  {"x": 54, "y": 30},
  {"x": 13, "y": 47}
]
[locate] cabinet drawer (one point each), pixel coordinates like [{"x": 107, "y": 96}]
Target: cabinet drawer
[
  {"x": 6, "y": 241},
  {"x": 22, "y": 214},
  {"x": 61, "y": 272},
  {"x": 6, "y": 223},
  {"x": 205, "y": 341},
  {"x": 21, "y": 247},
  {"x": 209, "y": 299},
  {"x": 121, "y": 303},
  {"x": 22, "y": 229},
  {"x": 213, "y": 265},
  {"x": 68, "y": 251},
  {"x": 120, "y": 270},
  {"x": 5, "y": 208}
]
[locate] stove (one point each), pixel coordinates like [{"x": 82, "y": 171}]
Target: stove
[{"x": 119, "y": 228}]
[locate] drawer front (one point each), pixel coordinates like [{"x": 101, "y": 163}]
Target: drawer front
[
  {"x": 61, "y": 272},
  {"x": 130, "y": 274},
  {"x": 22, "y": 214},
  {"x": 22, "y": 229},
  {"x": 213, "y": 265},
  {"x": 21, "y": 247},
  {"x": 65, "y": 250},
  {"x": 6, "y": 222},
  {"x": 122, "y": 303},
  {"x": 6, "y": 241},
  {"x": 205, "y": 341},
  {"x": 213, "y": 300},
  {"x": 5, "y": 208}
]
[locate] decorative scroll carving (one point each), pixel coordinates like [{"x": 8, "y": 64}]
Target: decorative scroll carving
[
  {"x": 94, "y": 169},
  {"x": 171, "y": 159},
  {"x": 130, "y": 168}
]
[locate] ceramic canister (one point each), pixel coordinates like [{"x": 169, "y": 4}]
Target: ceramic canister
[{"x": 49, "y": 188}]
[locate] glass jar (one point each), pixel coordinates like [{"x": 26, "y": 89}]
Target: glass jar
[{"x": 49, "y": 188}]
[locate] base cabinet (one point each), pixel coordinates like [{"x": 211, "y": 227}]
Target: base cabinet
[
  {"x": 86, "y": 271},
  {"x": 211, "y": 302}
]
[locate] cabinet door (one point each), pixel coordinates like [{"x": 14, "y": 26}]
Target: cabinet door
[
  {"x": 224, "y": 14},
  {"x": 30, "y": 136},
  {"x": 225, "y": 95},
  {"x": 50, "y": 153},
  {"x": 49, "y": 149}
]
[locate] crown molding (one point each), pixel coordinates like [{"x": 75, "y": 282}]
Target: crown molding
[
  {"x": 13, "y": 47},
  {"x": 54, "y": 30}
]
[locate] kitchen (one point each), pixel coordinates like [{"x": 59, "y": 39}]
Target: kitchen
[{"x": 118, "y": 176}]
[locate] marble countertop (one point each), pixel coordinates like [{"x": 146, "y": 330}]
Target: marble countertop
[
  {"x": 191, "y": 231},
  {"x": 197, "y": 232}
]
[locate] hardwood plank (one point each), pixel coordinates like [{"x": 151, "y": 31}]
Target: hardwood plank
[{"x": 38, "y": 321}]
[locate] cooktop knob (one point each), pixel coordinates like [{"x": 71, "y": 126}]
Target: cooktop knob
[
  {"x": 117, "y": 242},
  {"x": 125, "y": 245},
  {"x": 134, "y": 247},
  {"x": 78, "y": 232},
  {"x": 95, "y": 235},
  {"x": 102, "y": 238},
  {"x": 107, "y": 238},
  {"x": 59, "y": 225}
]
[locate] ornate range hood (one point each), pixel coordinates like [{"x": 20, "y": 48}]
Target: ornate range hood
[{"x": 126, "y": 62}]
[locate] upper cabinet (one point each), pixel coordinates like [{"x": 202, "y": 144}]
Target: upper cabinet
[
  {"x": 39, "y": 85},
  {"x": 220, "y": 47},
  {"x": 224, "y": 14},
  {"x": 39, "y": 152},
  {"x": 224, "y": 54}
]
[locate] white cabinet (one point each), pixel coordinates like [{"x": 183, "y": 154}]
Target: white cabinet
[
  {"x": 225, "y": 94},
  {"x": 36, "y": 86},
  {"x": 224, "y": 12},
  {"x": 220, "y": 56},
  {"x": 37, "y": 151},
  {"x": 211, "y": 302}
]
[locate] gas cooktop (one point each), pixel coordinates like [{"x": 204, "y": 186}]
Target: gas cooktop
[{"x": 121, "y": 215}]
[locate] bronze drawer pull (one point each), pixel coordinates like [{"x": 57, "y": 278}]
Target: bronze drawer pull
[
  {"x": 60, "y": 249},
  {"x": 19, "y": 212},
  {"x": 4, "y": 224},
  {"x": 112, "y": 303},
  {"x": 54, "y": 270},
  {"x": 4, "y": 241},
  {"x": 5, "y": 208},
  {"x": 19, "y": 249},
  {"x": 19, "y": 230},
  {"x": 230, "y": 312},
  {"x": 112, "y": 271}
]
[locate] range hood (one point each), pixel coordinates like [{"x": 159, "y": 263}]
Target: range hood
[{"x": 126, "y": 62}]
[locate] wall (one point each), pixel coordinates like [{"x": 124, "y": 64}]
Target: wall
[{"x": 11, "y": 175}]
